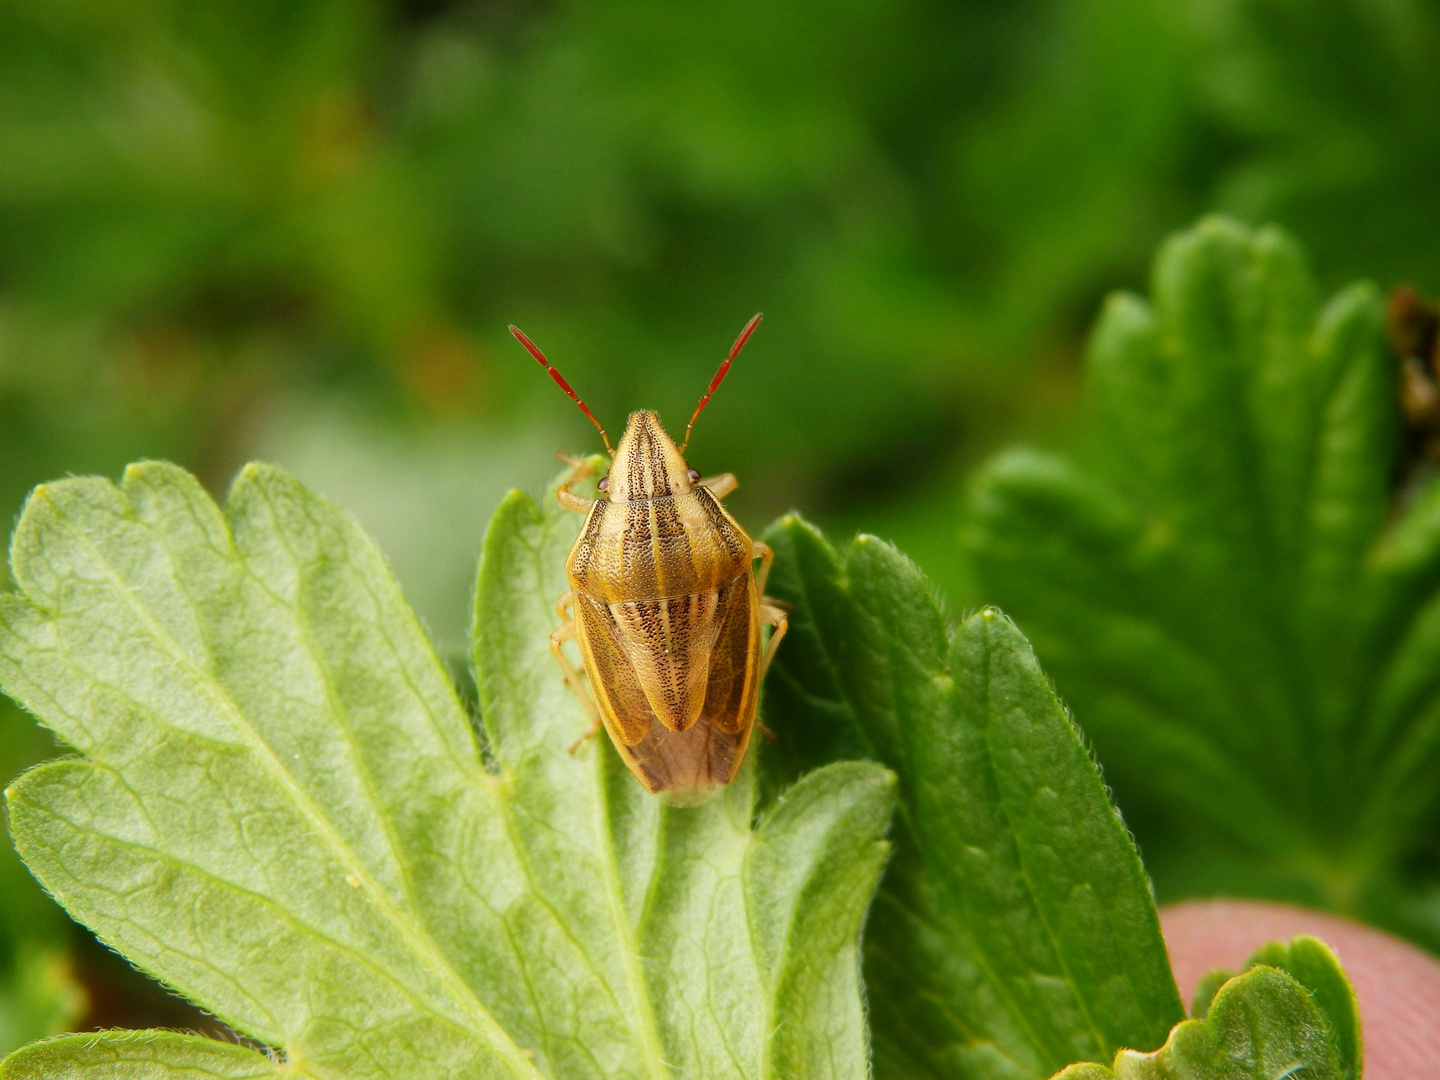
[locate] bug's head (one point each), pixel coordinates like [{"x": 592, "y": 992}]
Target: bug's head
[{"x": 647, "y": 464}]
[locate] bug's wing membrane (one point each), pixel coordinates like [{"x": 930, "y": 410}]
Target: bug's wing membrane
[
  {"x": 733, "y": 684},
  {"x": 614, "y": 682},
  {"x": 670, "y": 643},
  {"x": 687, "y": 764}
]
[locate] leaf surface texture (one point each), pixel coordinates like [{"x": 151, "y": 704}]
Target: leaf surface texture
[
  {"x": 1016, "y": 932},
  {"x": 280, "y": 808}
]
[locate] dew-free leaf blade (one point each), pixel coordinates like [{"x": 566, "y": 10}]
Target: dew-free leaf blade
[
  {"x": 1262, "y": 1025},
  {"x": 271, "y": 747},
  {"x": 1058, "y": 542},
  {"x": 1223, "y": 578},
  {"x": 1015, "y": 932},
  {"x": 142, "y": 1055},
  {"x": 1310, "y": 962},
  {"x": 281, "y": 809}
]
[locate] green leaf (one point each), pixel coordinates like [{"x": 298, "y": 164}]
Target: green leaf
[
  {"x": 1015, "y": 932},
  {"x": 281, "y": 811},
  {"x": 1206, "y": 989},
  {"x": 1263, "y": 1025},
  {"x": 139, "y": 1055},
  {"x": 1222, "y": 582},
  {"x": 1311, "y": 963}
]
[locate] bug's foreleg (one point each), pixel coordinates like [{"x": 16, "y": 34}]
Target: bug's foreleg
[
  {"x": 563, "y": 633},
  {"x": 580, "y": 469},
  {"x": 721, "y": 485}
]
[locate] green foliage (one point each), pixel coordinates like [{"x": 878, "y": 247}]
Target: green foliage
[
  {"x": 928, "y": 196},
  {"x": 38, "y": 992},
  {"x": 1227, "y": 585},
  {"x": 208, "y": 214},
  {"x": 1206, "y": 989},
  {"x": 1262, "y": 1025},
  {"x": 281, "y": 811},
  {"x": 1311, "y": 963},
  {"x": 140, "y": 1055},
  {"x": 1292, "y": 1013},
  {"x": 1015, "y": 932}
]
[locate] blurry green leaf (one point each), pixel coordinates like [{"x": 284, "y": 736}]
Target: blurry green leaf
[
  {"x": 1224, "y": 587},
  {"x": 40, "y": 995},
  {"x": 1206, "y": 989},
  {"x": 38, "y": 992},
  {"x": 1328, "y": 100},
  {"x": 1263, "y": 1025},
  {"x": 282, "y": 813},
  {"x": 1015, "y": 932}
]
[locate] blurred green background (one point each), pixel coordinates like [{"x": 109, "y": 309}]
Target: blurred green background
[{"x": 296, "y": 230}]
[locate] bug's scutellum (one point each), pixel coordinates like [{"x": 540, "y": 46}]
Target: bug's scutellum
[{"x": 665, "y": 605}]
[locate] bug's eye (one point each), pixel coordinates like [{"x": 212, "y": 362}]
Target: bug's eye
[
  {"x": 694, "y": 475},
  {"x": 604, "y": 484}
]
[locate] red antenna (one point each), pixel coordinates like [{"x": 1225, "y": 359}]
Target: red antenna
[
  {"x": 720, "y": 375},
  {"x": 560, "y": 380}
]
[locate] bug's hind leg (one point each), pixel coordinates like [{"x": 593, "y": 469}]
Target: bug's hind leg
[
  {"x": 772, "y": 611},
  {"x": 775, "y": 617},
  {"x": 772, "y": 615},
  {"x": 563, "y": 633}
]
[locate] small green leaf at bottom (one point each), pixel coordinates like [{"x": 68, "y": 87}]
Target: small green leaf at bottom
[
  {"x": 1261, "y": 1025},
  {"x": 1292, "y": 1014},
  {"x": 138, "y": 1055},
  {"x": 1310, "y": 961}
]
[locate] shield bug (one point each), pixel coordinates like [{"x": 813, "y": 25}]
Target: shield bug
[{"x": 665, "y": 605}]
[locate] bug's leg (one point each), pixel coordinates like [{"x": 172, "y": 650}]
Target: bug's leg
[
  {"x": 721, "y": 485},
  {"x": 766, "y": 554},
  {"x": 566, "y": 632},
  {"x": 771, "y": 615},
  {"x": 565, "y": 606},
  {"x": 579, "y": 470},
  {"x": 772, "y": 611}
]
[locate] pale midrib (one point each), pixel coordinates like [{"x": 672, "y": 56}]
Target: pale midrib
[
  {"x": 772, "y": 984},
  {"x": 649, "y": 1024},
  {"x": 337, "y": 713},
  {"x": 487, "y": 1029}
]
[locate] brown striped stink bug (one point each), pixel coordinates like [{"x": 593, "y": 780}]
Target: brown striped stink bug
[{"x": 665, "y": 605}]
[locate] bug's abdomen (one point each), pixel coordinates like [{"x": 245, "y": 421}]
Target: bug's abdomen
[{"x": 669, "y": 643}]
